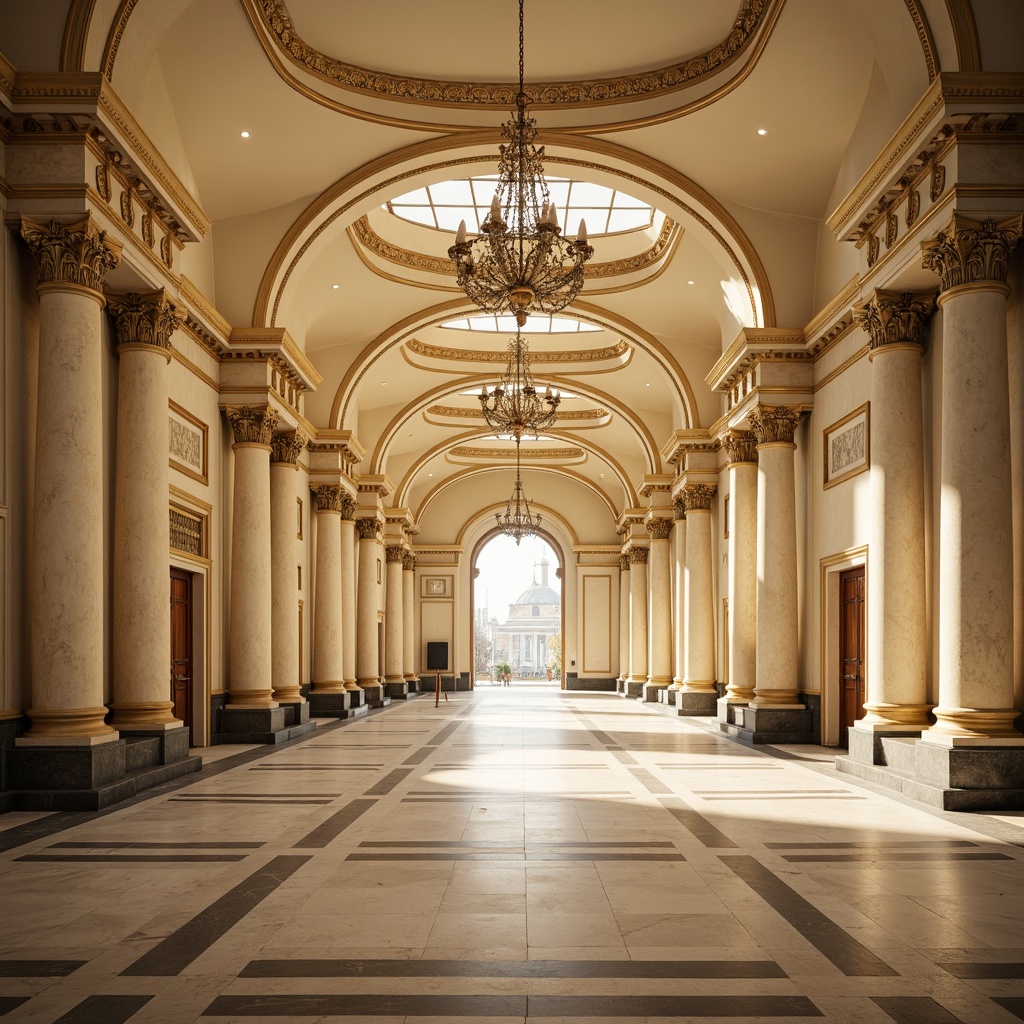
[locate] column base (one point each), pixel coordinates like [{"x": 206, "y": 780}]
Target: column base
[
  {"x": 90, "y": 778},
  {"x": 296, "y": 712},
  {"x": 668, "y": 696},
  {"x": 650, "y": 693},
  {"x": 726, "y": 708},
  {"x": 396, "y": 689},
  {"x": 373, "y": 693},
  {"x": 632, "y": 687},
  {"x": 259, "y": 725},
  {"x": 696, "y": 703},
  {"x": 143, "y": 716},
  {"x": 334, "y": 705},
  {"x": 790, "y": 724}
]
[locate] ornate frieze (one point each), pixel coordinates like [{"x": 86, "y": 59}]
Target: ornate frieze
[
  {"x": 252, "y": 426},
  {"x": 638, "y": 556},
  {"x": 144, "y": 319},
  {"x": 968, "y": 251},
  {"x": 623, "y": 563},
  {"x": 699, "y": 497},
  {"x": 890, "y": 317},
  {"x": 77, "y": 253},
  {"x": 348, "y": 507},
  {"x": 368, "y": 527},
  {"x": 393, "y": 553},
  {"x": 287, "y": 447},
  {"x": 659, "y": 529},
  {"x": 772, "y": 423},
  {"x": 328, "y": 497},
  {"x": 740, "y": 445}
]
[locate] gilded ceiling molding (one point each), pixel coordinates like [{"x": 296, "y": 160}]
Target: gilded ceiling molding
[
  {"x": 470, "y": 355},
  {"x": 924, "y": 34},
  {"x": 117, "y": 27},
  {"x": 76, "y": 31},
  {"x": 965, "y": 33},
  {"x": 470, "y": 413},
  {"x": 530, "y": 453}
]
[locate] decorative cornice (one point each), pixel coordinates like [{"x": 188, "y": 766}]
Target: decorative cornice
[
  {"x": 368, "y": 527},
  {"x": 774, "y": 423},
  {"x": 891, "y": 317},
  {"x": 638, "y": 556},
  {"x": 468, "y": 355},
  {"x": 394, "y": 554},
  {"x": 659, "y": 529},
  {"x": 469, "y": 413},
  {"x": 530, "y": 454},
  {"x": 252, "y": 426},
  {"x": 286, "y": 447},
  {"x": 329, "y": 497},
  {"x": 75, "y": 253},
  {"x": 740, "y": 445},
  {"x": 144, "y": 319},
  {"x": 699, "y": 497},
  {"x": 968, "y": 251}
]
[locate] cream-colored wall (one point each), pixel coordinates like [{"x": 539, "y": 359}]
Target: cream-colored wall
[
  {"x": 596, "y": 647},
  {"x": 1015, "y": 338}
]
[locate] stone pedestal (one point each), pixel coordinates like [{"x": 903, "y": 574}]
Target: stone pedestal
[{"x": 698, "y": 693}]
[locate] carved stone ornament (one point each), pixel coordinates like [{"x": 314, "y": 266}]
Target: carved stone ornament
[
  {"x": 287, "y": 447},
  {"x": 891, "y": 317},
  {"x": 408, "y": 562},
  {"x": 348, "y": 507},
  {"x": 393, "y": 553},
  {"x": 659, "y": 529},
  {"x": 913, "y": 207},
  {"x": 368, "y": 527},
  {"x": 623, "y": 563},
  {"x": 252, "y": 426},
  {"x": 699, "y": 497},
  {"x": 679, "y": 507},
  {"x": 638, "y": 556},
  {"x": 77, "y": 253},
  {"x": 873, "y": 247},
  {"x": 772, "y": 423},
  {"x": 968, "y": 250},
  {"x": 740, "y": 446},
  {"x": 328, "y": 497},
  {"x": 143, "y": 319}
]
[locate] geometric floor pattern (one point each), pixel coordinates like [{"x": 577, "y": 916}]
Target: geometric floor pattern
[{"x": 517, "y": 854}]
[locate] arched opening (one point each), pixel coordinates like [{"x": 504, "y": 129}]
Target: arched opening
[{"x": 517, "y": 622}]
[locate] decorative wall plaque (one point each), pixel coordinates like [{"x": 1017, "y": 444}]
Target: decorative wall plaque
[
  {"x": 187, "y": 443},
  {"x": 848, "y": 446}
]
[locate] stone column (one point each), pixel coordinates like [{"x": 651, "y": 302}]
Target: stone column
[
  {"x": 141, "y": 626},
  {"x": 348, "y": 601},
  {"x": 394, "y": 624},
  {"x": 776, "y": 713},
  {"x": 637, "y": 622},
  {"x": 409, "y": 621},
  {"x": 328, "y": 697},
  {"x": 250, "y": 684},
  {"x": 660, "y": 619},
  {"x": 975, "y": 541},
  {"x": 742, "y": 451},
  {"x": 66, "y": 582},
  {"x": 624, "y": 637},
  {"x": 284, "y": 601},
  {"x": 678, "y": 601},
  {"x": 699, "y": 695},
  {"x": 367, "y": 661},
  {"x": 897, "y": 654}
]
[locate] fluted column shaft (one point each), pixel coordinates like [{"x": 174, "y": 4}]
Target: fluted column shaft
[
  {"x": 408, "y": 617},
  {"x": 250, "y": 683},
  {"x": 66, "y": 583},
  {"x": 660, "y": 583},
  {"x": 679, "y": 595},
  {"x": 700, "y": 609},
  {"x": 367, "y": 655},
  {"x": 777, "y": 641},
  {"x": 638, "y": 615},
  {"x": 328, "y": 669},
  {"x": 394, "y": 614},
  {"x": 348, "y": 593},
  {"x": 142, "y": 627},
  {"x": 975, "y": 539},
  {"x": 284, "y": 601},
  {"x": 624, "y": 628},
  {"x": 742, "y": 568}
]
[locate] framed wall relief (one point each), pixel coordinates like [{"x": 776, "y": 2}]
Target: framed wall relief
[
  {"x": 435, "y": 586},
  {"x": 188, "y": 444},
  {"x": 847, "y": 446}
]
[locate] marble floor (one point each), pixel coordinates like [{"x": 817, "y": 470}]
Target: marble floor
[{"x": 517, "y": 854}]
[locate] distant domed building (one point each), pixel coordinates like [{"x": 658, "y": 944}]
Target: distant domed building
[{"x": 534, "y": 617}]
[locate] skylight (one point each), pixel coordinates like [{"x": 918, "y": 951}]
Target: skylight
[
  {"x": 443, "y": 205},
  {"x": 534, "y": 325}
]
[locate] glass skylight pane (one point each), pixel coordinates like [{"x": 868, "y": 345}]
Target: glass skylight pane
[
  {"x": 559, "y": 193},
  {"x": 417, "y": 214},
  {"x": 452, "y": 193},
  {"x": 505, "y": 324},
  {"x": 629, "y": 220},
  {"x": 418, "y": 197},
  {"x": 585, "y": 193},
  {"x": 448, "y": 217},
  {"x": 624, "y": 201}
]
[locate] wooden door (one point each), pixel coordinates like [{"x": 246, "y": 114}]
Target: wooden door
[
  {"x": 851, "y": 650},
  {"x": 181, "y": 647}
]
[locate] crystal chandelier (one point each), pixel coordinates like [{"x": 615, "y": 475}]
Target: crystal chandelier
[
  {"x": 518, "y": 521},
  {"x": 513, "y": 406},
  {"x": 520, "y": 262}
]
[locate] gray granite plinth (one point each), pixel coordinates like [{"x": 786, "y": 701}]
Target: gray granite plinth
[
  {"x": 770, "y": 725},
  {"x": 253, "y": 725},
  {"x": 296, "y": 712},
  {"x": 631, "y": 688},
  {"x": 170, "y": 744},
  {"x": 691, "y": 704},
  {"x": 357, "y": 698},
  {"x": 883, "y": 748},
  {"x": 397, "y": 691},
  {"x": 414, "y": 685},
  {"x": 726, "y": 710},
  {"x": 620, "y": 685},
  {"x": 671, "y": 695},
  {"x": 651, "y": 693},
  {"x": 67, "y": 767},
  {"x": 330, "y": 705}
]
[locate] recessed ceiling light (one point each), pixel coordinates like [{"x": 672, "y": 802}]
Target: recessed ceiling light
[
  {"x": 648, "y": 384},
  {"x": 335, "y": 286},
  {"x": 430, "y": 474},
  {"x": 688, "y": 282},
  {"x": 245, "y": 135},
  {"x": 762, "y": 131}
]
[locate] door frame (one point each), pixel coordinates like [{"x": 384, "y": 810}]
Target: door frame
[
  {"x": 200, "y": 643},
  {"x": 859, "y": 573}
]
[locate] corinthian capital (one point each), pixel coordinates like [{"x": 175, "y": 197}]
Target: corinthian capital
[
  {"x": 891, "y": 317},
  {"x": 76, "y": 253},
  {"x": 408, "y": 561},
  {"x": 393, "y": 553},
  {"x": 967, "y": 251},
  {"x": 144, "y": 319},
  {"x": 699, "y": 497},
  {"x": 287, "y": 447},
  {"x": 659, "y": 529},
  {"x": 623, "y": 563},
  {"x": 328, "y": 497},
  {"x": 774, "y": 423},
  {"x": 740, "y": 445},
  {"x": 638, "y": 556},
  {"x": 368, "y": 527},
  {"x": 252, "y": 426}
]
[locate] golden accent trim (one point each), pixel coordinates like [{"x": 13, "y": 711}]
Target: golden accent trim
[
  {"x": 469, "y": 355},
  {"x": 965, "y": 34},
  {"x": 76, "y": 33},
  {"x": 531, "y": 454},
  {"x": 470, "y": 413}
]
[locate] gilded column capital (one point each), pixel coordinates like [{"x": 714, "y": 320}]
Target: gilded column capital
[
  {"x": 393, "y": 553},
  {"x": 328, "y": 497},
  {"x": 368, "y": 527},
  {"x": 408, "y": 562},
  {"x": 638, "y": 556},
  {"x": 76, "y": 253},
  {"x": 286, "y": 447},
  {"x": 144, "y": 319},
  {"x": 679, "y": 509},
  {"x": 252, "y": 426},
  {"x": 893, "y": 317},
  {"x": 740, "y": 445},
  {"x": 698, "y": 497},
  {"x": 658, "y": 528},
  {"x": 623, "y": 563},
  {"x": 967, "y": 251},
  {"x": 774, "y": 423},
  {"x": 348, "y": 507}
]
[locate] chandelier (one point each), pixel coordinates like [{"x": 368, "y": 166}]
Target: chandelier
[
  {"x": 518, "y": 521},
  {"x": 514, "y": 407},
  {"x": 520, "y": 262}
]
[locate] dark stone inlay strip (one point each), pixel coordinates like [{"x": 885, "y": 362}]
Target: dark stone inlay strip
[
  {"x": 915, "y": 1010},
  {"x": 457, "y": 844},
  {"x": 976, "y": 971},
  {"x": 803, "y": 796},
  {"x": 388, "y": 783},
  {"x": 516, "y": 854},
  {"x": 329, "y": 830},
  {"x": 893, "y": 855},
  {"x": 104, "y": 1010},
  {"x": 280, "y": 801},
  {"x": 155, "y": 846},
  {"x": 39, "y": 968},
  {"x": 622, "y": 756},
  {"x": 9, "y": 1003},
  {"x": 419, "y": 756},
  {"x": 697, "y": 825},
  {"x": 648, "y": 781},
  {"x": 757, "y": 1007},
  {"x": 134, "y": 858},
  {"x": 870, "y": 844},
  {"x": 512, "y": 969},
  {"x": 852, "y": 958},
  {"x": 1013, "y": 1004},
  {"x": 444, "y": 734},
  {"x": 172, "y": 955},
  {"x": 316, "y": 768}
]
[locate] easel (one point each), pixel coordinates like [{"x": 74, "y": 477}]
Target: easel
[{"x": 437, "y": 691}]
